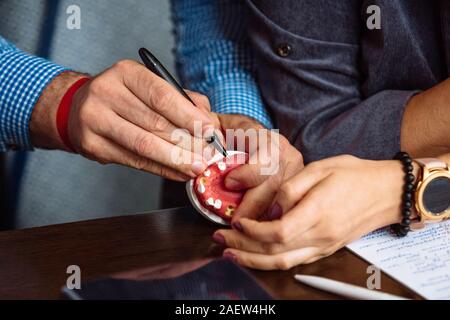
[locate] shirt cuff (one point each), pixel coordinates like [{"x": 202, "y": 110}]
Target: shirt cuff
[
  {"x": 239, "y": 95},
  {"x": 23, "y": 78}
]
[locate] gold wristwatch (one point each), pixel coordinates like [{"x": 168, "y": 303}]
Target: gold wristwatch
[{"x": 432, "y": 195}]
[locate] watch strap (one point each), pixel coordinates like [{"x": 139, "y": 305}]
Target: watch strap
[{"x": 432, "y": 163}]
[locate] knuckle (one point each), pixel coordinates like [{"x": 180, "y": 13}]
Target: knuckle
[
  {"x": 286, "y": 191},
  {"x": 124, "y": 65},
  {"x": 250, "y": 263},
  {"x": 252, "y": 176},
  {"x": 347, "y": 157},
  {"x": 85, "y": 115},
  {"x": 315, "y": 166},
  {"x": 274, "y": 183},
  {"x": 313, "y": 259},
  {"x": 328, "y": 251},
  {"x": 103, "y": 161},
  {"x": 282, "y": 235},
  {"x": 283, "y": 263},
  {"x": 179, "y": 157},
  {"x": 332, "y": 234},
  {"x": 350, "y": 159},
  {"x": 143, "y": 145},
  {"x": 154, "y": 168},
  {"x": 236, "y": 243},
  {"x": 161, "y": 171},
  {"x": 330, "y": 163},
  {"x": 159, "y": 123},
  {"x": 300, "y": 158},
  {"x": 284, "y": 142},
  {"x": 86, "y": 145},
  {"x": 140, "y": 163},
  {"x": 293, "y": 162},
  {"x": 97, "y": 86},
  {"x": 122, "y": 130},
  {"x": 162, "y": 98}
]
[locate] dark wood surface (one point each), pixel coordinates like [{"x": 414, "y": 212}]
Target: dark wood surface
[{"x": 33, "y": 262}]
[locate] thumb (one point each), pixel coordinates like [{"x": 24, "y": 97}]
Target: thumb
[{"x": 245, "y": 177}]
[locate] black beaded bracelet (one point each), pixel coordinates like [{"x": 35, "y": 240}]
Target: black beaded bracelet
[{"x": 401, "y": 229}]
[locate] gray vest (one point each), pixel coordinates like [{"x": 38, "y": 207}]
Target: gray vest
[{"x": 333, "y": 85}]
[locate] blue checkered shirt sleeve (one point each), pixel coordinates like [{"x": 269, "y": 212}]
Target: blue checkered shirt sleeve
[
  {"x": 23, "y": 77},
  {"x": 214, "y": 57}
]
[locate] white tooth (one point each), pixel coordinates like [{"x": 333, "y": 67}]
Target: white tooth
[
  {"x": 201, "y": 188},
  {"x": 207, "y": 173},
  {"x": 218, "y": 204},
  {"x": 210, "y": 201},
  {"x": 222, "y": 166}
]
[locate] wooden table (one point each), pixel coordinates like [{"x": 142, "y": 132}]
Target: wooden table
[{"x": 33, "y": 262}]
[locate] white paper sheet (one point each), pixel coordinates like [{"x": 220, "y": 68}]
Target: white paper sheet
[{"x": 421, "y": 260}]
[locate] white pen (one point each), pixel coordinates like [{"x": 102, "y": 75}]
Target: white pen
[{"x": 345, "y": 289}]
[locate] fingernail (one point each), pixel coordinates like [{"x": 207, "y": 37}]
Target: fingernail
[
  {"x": 198, "y": 167},
  {"x": 219, "y": 239},
  {"x": 275, "y": 212},
  {"x": 208, "y": 130},
  {"x": 229, "y": 255},
  {"x": 232, "y": 184},
  {"x": 237, "y": 225}
]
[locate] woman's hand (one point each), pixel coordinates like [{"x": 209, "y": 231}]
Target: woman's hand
[{"x": 325, "y": 206}]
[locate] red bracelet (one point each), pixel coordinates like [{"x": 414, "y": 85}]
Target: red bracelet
[{"x": 62, "y": 115}]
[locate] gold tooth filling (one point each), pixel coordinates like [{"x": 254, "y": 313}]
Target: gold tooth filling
[{"x": 230, "y": 210}]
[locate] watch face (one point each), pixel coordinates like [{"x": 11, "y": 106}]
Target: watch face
[{"x": 436, "y": 196}]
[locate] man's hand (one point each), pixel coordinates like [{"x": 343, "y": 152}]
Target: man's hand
[
  {"x": 127, "y": 115},
  {"x": 272, "y": 160}
]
